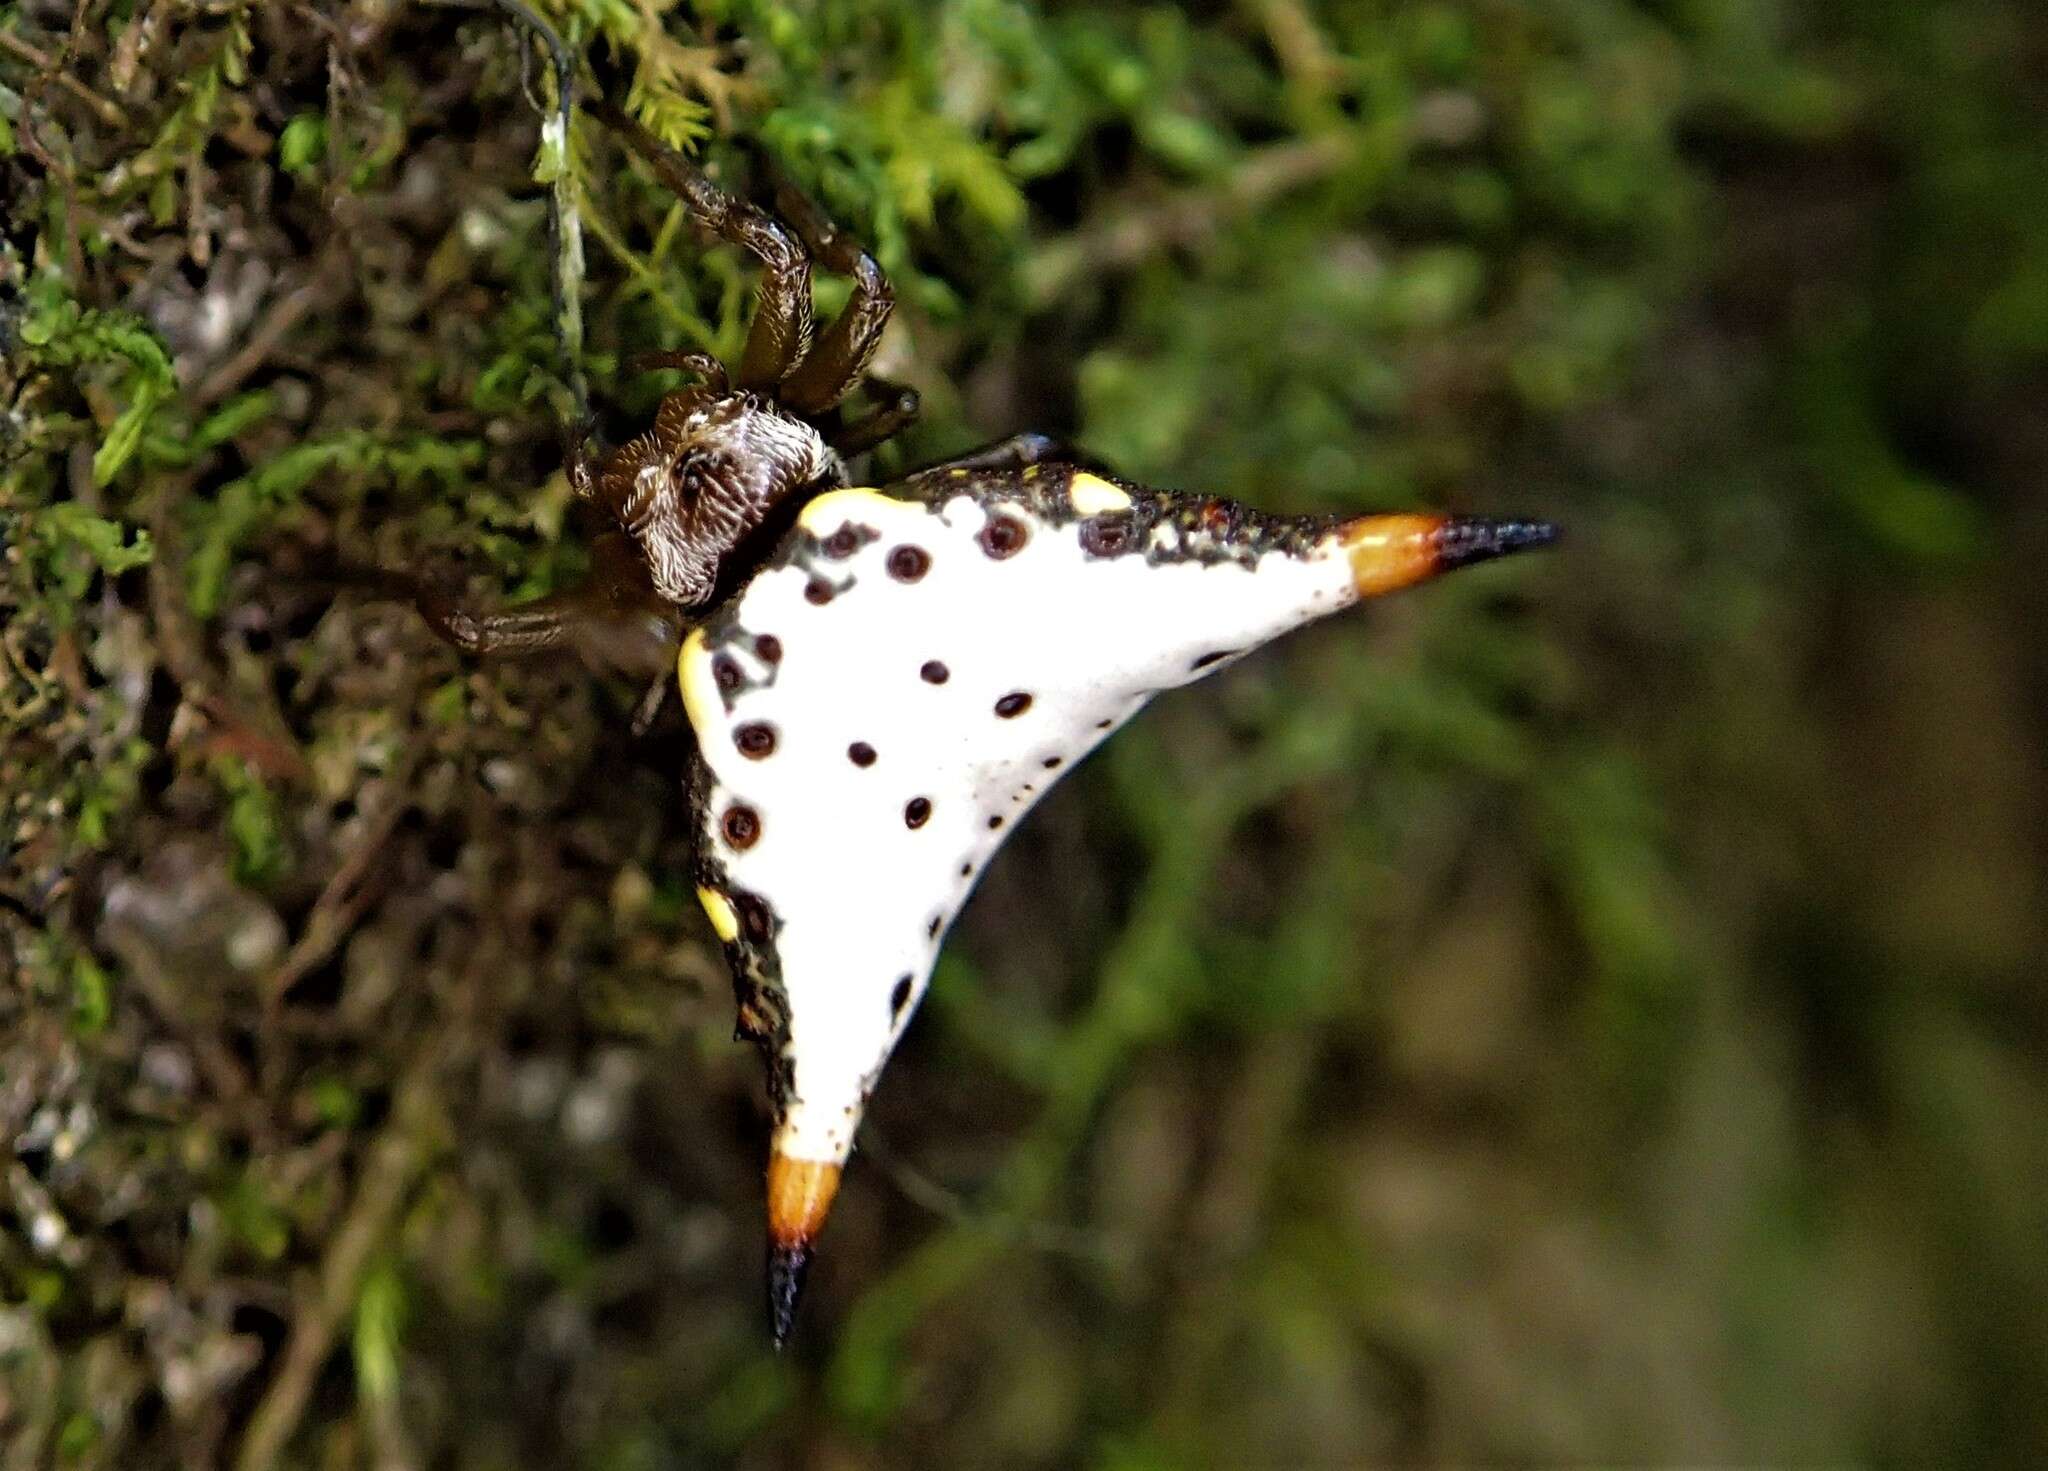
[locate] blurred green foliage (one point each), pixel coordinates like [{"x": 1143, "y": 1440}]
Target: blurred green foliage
[{"x": 1589, "y": 1010}]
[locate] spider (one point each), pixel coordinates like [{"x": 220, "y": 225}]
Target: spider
[{"x": 883, "y": 681}]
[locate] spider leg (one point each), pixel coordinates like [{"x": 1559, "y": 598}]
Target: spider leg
[
  {"x": 703, "y": 364},
  {"x": 614, "y": 620},
  {"x": 897, "y": 413},
  {"x": 1017, "y": 451},
  {"x": 577, "y": 461},
  {"x": 843, "y": 350},
  {"x": 781, "y": 333}
]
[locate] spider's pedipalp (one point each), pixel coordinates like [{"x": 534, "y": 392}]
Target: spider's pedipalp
[
  {"x": 578, "y": 464},
  {"x": 897, "y": 412}
]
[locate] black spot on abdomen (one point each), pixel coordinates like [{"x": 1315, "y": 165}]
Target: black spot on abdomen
[
  {"x": 1106, "y": 536},
  {"x": 742, "y": 825},
  {"x": 757, "y": 920},
  {"x": 1004, "y": 536},
  {"x": 847, "y": 540}
]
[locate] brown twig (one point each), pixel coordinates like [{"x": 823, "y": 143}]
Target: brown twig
[
  {"x": 1134, "y": 235},
  {"x": 272, "y": 750},
  {"x": 345, "y": 899},
  {"x": 1299, "y": 43},
  {"x": 391, "y": 1168},
  {"x": 948, "y": 1205},
  {"x": 137, "y": 37},
  {"x": 109, "y": 111},
  {"x": 224, "y": 1072},
  {"x": 31, "y": 102},
  {"x": 284, "y": 314}
]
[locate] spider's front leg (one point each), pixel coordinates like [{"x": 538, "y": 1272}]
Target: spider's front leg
[
  {"x": 614, "y": 620},
  {"x": 781, "y": 334},
  {"x": 808, "y": 380},
  {"x": 844, "y": 349}
]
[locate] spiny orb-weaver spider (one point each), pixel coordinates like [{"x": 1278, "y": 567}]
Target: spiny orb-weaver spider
[{"x": 883, "y": 681}]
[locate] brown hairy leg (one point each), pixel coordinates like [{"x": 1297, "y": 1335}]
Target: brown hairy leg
[
  {"x": 781, "y": 333},
  {"x": 840, "y": 358},
  {"x": 614, "y": 620}
]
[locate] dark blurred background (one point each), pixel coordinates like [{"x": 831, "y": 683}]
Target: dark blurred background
[{"x": 1590, "y": 1009}]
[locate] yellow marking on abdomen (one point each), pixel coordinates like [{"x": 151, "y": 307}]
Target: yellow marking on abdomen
[
  {"x": 1091, "y": 495},
  {"x": 825, "y": 514},
  {"x": 718, "y": 909},
  {"x": 699, "y": 686}
]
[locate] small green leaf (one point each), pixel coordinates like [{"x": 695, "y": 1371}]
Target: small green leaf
[
  {"x": 302, "y": 146},
  {"x": 76, "y": 543},
  {"x": 379, "y": 1329},
  {"x": 239, "y": 414},
  {"x": 334, "y": 1103},
  {"x": 80, "y": 1434},
  {"x": 253, "y": 1218},
  {"x": 446, "y": 704},
  {"x": 92, "y": 998},
  {"x": 126, "y": 436},
  {"x": 254, "y": 823}
]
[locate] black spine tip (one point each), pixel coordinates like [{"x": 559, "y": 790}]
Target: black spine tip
[
  {"x": 1468, "y": 539},
  {"x": 787, "y": 1268}
]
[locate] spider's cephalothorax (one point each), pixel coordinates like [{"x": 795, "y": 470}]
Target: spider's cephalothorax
[
  {"x": 715, "y": 466},
  {"x": 883, "y": 682}
]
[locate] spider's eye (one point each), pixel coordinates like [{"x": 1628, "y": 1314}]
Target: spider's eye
[{"x": 700, "y": 473}]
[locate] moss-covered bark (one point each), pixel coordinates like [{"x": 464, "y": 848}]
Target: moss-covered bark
[{"x": 1590, "y": 1012}]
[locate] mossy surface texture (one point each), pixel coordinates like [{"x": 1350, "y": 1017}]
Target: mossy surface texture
[{"x": 1588, "y": 1010}]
